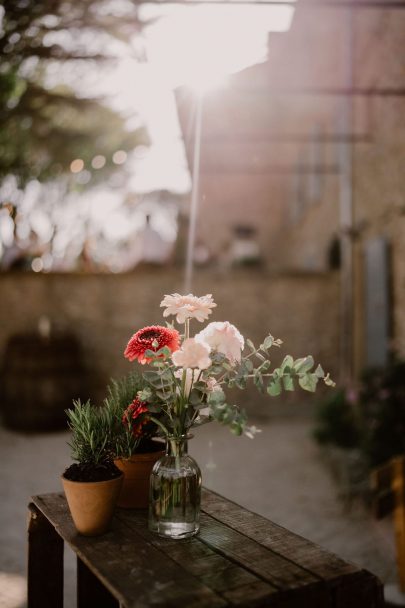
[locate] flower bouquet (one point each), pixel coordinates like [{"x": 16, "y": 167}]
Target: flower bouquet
[{"x": 185, "y": 387}]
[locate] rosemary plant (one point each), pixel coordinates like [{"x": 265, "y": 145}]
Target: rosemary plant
[{"x": 90, "y": 428}]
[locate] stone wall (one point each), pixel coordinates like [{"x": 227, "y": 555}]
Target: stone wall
[
  {"x": 104, "y": 311},
  {"x": 378, "y": 177}
]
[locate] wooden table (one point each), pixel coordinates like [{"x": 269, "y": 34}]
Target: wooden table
[{"x": 238, "y": 559}]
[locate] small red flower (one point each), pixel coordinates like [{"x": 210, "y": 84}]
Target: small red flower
[
  {"x": 144, "y": 338},
  {"x": 134, "y": 417}
]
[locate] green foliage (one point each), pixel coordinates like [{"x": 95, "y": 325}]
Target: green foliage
[
  {"x": 90, "y": 428},
  {"x": 120, "y": 394},
  {"x": 42, "y": 127},
  {"x": 336, "y": 422},
  {"x": 375, "y": 423},
  {"x": 382, "y": 408}
]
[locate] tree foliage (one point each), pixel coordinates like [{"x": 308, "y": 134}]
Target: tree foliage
[{"x": 42, "y": 127}]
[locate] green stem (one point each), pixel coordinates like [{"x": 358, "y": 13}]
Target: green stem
[{"x": 162, "y": 426}]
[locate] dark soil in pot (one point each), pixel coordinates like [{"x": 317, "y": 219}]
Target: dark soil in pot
[{"x": 91, "y": 472}]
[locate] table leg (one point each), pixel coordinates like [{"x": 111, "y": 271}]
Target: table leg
[
  {"x": 45, "y": 562},
  {"x": 90, "y": 590}
]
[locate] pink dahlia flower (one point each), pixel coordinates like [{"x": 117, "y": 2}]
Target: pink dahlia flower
[
  {"x": 188, "y": 307},
  {"x": 153, "y": 338}
]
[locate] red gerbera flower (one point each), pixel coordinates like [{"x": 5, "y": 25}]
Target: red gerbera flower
[
  {"x": 144, "y": 339},
  {"x": 134, "y": 417}
]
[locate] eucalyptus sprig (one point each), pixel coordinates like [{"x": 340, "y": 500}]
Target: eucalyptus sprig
[{"x": 181, "y": 409}]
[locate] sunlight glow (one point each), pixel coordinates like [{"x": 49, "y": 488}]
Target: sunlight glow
[
  {"x": 132, "y": 215},
  {"x": 13, "y": 589},
  {"x": 201, "y": 45}
]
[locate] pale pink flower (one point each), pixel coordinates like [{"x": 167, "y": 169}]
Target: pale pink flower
[
  {"x": 188, "y": 307},
  {"x": 224, "y": 338},
  {"x": 192, "y": 354}
]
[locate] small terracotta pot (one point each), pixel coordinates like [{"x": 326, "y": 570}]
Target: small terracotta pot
[
  {"x": 92, "y": 503},
  {"x": 135, "y": 488}
]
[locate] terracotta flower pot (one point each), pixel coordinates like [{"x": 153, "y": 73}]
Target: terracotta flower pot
[
  {"x": 92, "y": 503},
  {"x": 135, "y": 488}
]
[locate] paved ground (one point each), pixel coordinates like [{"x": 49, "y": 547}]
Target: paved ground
[{"x": 279, "y": 474}]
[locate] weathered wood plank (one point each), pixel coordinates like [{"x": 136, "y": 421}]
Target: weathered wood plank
[
  {"x": 318, "y": 561},
  {"x": 311, "y": 596},
  {"x": 90, "y": 591},
  {"x": 274, "y": 569},
  {"x": 238, "y": 559},
  {"x": 242, "y": 571},
  {"x": 198, "y": 559},
  {"x": 359, "y": 590},
  {"x": 45, "y": 562},
  {"x": 340, "y": 577},
  {"x": 135, "y": 572}
]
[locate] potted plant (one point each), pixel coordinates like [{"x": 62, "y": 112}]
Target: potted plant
[
  {"x": 131, "y": 439},
  {"x": 92, "y": 484}
]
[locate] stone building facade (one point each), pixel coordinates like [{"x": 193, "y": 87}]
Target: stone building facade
[{"x": 283, "y": 142}]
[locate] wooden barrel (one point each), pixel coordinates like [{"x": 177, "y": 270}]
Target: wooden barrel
[{"x": 40, "y": 377}]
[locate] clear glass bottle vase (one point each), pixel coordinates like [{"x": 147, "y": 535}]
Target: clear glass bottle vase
[{"x": 175, "y": 492}]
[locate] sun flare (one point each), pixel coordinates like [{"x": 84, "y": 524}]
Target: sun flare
[{"x": 199, "y": 46}]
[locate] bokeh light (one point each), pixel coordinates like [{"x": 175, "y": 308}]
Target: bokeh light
[
  {"x": 37, "y": 265},
  {"x": 98, "y": 161},
  {"x": 119, "y": 157},
  {"x": 76, "y": 165}
]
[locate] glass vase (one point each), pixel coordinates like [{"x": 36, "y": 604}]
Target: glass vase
[{"x": 175, "y": 492}]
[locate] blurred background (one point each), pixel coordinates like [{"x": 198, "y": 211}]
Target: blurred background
[{"x": 253, "y": 150}]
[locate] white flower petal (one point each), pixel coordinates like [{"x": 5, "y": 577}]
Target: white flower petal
[
  {"x": 223, "y": 337},
  {"x": 188, "y": 307}
]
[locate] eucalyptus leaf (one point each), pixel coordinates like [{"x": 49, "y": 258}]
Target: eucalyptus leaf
[
  {"x": 241, "y": 382},
  {"x": 251, "y": 345},
  {"x": 258, "y": 382},
  {"x": 264, "y": 366},
  {"x": 274, "y": 387},
  {"x": 304, "y": 364},
  {"x": 249, "y": 365},
  {"x": 201, "y": 386},
  {"x": 288, "y": 383},
  {"x": 308, "y": 382},
  {"x": 195, "y": 397},
  {"x": 319, "y": 373},
  {"x": 216, "y": 397},
  {"x": 288, "y": 362}
]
